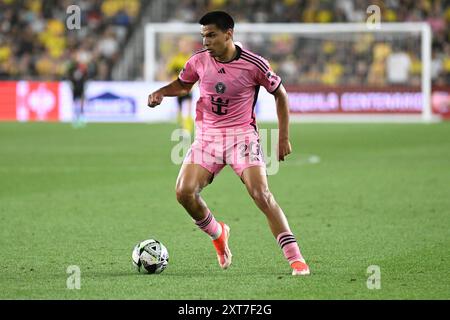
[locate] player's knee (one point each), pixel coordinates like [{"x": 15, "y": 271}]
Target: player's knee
[
  {"x": 262, "y": 197},
  {"x": 185, "y": 193}
]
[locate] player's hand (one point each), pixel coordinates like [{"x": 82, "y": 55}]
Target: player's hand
[
  {"x": 284, "y": 148},
  {"x": 155, "y": 99}
]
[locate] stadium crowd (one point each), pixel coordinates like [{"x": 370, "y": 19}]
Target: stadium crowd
[
  {"x": 333, "y": 60},
  {"x": 36, "y": 44}
]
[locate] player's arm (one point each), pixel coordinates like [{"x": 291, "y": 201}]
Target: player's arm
[
  {"x": 281, "y": 101},
  {"x": 267, "y": 78},
  {"x": 174, "y": 89}
]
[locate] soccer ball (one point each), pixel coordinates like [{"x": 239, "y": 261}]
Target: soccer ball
[{"x": 150, "y": 256}]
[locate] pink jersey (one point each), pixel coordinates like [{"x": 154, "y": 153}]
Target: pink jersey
[{"x": 228, "y": 90}]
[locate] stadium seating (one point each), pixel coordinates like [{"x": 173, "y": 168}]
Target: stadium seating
[
  {"x": 45, "y": 46},
  {"x": 331, "y": 62},
  {"x": 35, "y": 43}
]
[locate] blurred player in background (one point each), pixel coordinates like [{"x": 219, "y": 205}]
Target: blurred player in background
[
  {"x": 175, "y": 66},
  {"x": 78, "y": 74},
  {"x": 226, "y": 133}
]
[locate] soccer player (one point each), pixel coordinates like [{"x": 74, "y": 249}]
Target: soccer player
[
  {"x": 226, "y": 132},
  {"x": 175, "y": 65},
  {"x": 78, "y": 77}
]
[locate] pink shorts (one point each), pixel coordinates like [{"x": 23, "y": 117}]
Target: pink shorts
[{"x": 213, "y": 152}]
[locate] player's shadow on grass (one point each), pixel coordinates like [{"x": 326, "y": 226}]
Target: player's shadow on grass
[
  {"x": 197, "y": 273},
  {"x": 232, "y": 272},
  {"x": 113, "y": 274}
]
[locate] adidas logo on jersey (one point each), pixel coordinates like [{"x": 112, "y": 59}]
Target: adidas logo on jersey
[{"x": 222, "y": 71}]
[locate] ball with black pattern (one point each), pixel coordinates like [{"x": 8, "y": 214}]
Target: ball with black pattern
[{"x": 150, "y": 256}]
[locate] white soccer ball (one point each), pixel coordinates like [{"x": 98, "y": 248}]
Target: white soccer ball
[{"x": 150, "y": 256}]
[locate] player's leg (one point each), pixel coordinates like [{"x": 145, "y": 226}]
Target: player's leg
[
  {"x": 188, "y": 122},
  {"x": 190, "y": 182},
  {"x": 76, "y": 111},
  {"x": 180, "y": 112},
  {"x": 255, "y": 180},
  {"x": 81, "y": 118}
]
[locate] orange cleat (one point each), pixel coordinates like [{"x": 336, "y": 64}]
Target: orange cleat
[
  {"x": 221, "y": 244},
  {"x": 300, "y": 268}
]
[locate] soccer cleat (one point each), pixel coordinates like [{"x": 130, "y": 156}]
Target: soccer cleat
[
  {"x": 300, "y": 268},
  {"x": 221, "y": 244}
]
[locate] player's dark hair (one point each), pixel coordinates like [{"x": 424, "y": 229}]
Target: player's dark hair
[{"x": 221, "y": 19}]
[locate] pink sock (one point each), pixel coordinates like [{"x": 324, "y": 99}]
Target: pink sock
[
  {"x": 290, "y": 248},
  {"x": 210, "y": 226}
]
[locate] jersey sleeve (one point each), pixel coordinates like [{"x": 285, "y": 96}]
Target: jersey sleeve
[
  {"x": 267, "y": 78},
  {"x": 189, "y": 73}
]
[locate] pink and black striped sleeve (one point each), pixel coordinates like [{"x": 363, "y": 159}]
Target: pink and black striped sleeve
[
  {"x": 269, "y": 79},
  {"x": 189, "y": 73},
  {"x": 264, "y": 74}
]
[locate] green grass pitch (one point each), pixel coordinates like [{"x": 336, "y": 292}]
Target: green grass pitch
[{"x": 380, "y": 195}]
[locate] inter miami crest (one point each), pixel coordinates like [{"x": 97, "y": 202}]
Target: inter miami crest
[{"x": 220, "y": 88}]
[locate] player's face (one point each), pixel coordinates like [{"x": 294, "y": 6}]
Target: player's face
[{"x": 215, "y": 40}]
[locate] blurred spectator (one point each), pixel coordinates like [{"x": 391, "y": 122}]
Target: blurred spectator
[
  {"x": 108, "y": 45},
  {"x": 397, "y": 66}
]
